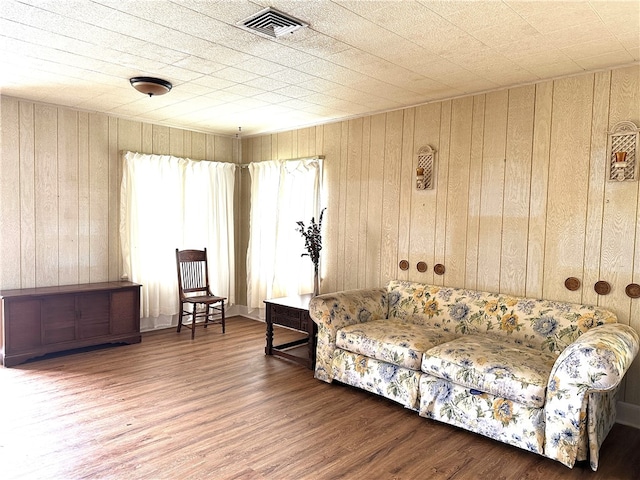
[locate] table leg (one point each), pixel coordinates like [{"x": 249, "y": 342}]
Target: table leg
[{"x": 268, "y": 350}]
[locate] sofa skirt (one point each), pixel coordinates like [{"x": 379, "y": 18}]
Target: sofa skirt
[
  {"x": 498, "y": 418},
  {"x": 396, "y": 383}
]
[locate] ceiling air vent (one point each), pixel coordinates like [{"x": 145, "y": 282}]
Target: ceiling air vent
[{"x": 272, "y": 23}]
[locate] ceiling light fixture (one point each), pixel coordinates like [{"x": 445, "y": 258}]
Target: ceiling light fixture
[{"x": 150, "y": 86}]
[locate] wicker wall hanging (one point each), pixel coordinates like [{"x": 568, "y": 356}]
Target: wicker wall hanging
[
  {"x": 425, "y": 168},
  {"x": 622, "y": 160}
]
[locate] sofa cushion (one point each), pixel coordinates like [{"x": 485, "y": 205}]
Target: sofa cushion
[
  {"x": 391, "y": 340},
  {"x": 489, "y": 364}
]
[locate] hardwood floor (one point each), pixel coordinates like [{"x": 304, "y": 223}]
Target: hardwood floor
[{"x": 218, "y": 408}]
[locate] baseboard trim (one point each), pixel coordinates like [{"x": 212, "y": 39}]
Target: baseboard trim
[{"x": 628, "y": 414}]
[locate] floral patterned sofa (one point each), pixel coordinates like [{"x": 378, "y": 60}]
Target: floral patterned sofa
[{"x": 536, "y": 374}]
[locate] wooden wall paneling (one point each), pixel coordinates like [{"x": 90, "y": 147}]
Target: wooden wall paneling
[
  {"x": 113, "y": 206},
  {"x": 363, "y": 190},
  {"x": 458, "y": 192},
  {"x": 266, "y": 150},
  {"x": 492, "y": 197},
  {"x": 620, "y": 209},
  {"x": 568, "y": 184},
  {"x": 147, "y": 138},
  {"x": 391, "y": 196},
  {"x": 285, "y": 145},
  {"x": 352, "y": 204},
  {"x": 247, "y": 148},
  {"x": 375, "y": 180},
  {"x": 441, "y": 185},
  {"x": 176, "y": 143},
  {"x": 540, "y": 158},
  {"x": 407, "y": 186},
  {"x": 46, "y": 195},
  {"x": 319, "y": 140},
  {"x": 68, "y": 192},
  {"x": 303, "y": 143},
  {"x": 224, "y": 149},
  {"x": 187, "y": 151},
  {"x": 274, "y": 147},
  {"x": 10, "y": 193},
  {"x": 198, "y": 145},
  {"x": 620, "y": 217},
  {"x": 294, "y": 145},
  {"x": 475, "y": 182},
  {"x": 342, "y": 209},
  {"x": 161, "y": 137},
  {"x": 129, "y": 136},
  {"x": 597, "y": 181},
  {"x": 99, "y": 197},
  {"x": 632, "y": 387},
  {"x": 423, "y": 202},
  {"x": 210, "y": 147},
  {"x": 333, "y": 141},
  {"x": 84, "y": 210},
  {"x": 517, "y": 188},
  {"x": 27, "y": 195}
]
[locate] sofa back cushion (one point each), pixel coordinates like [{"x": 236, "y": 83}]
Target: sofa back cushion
[{"x": 541, "y": 324}]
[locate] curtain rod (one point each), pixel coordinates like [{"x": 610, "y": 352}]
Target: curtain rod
[{"x": 314, "y": 157}]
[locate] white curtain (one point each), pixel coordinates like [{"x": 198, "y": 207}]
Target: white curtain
[
  {"x": 169, "y": 203},
  {"x": 282, "y": 193}
]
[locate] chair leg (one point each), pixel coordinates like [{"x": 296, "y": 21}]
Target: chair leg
[
  {"x": 207, "y": 314},
  {"x": 180, "y": 316},
  {"x": 193, "y": 321},
  {"x": 222, "y": 304}
]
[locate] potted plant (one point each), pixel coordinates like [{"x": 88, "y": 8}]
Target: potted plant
[{"x": 313, "y": 244}]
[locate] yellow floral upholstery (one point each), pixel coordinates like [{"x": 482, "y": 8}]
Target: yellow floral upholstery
[
  {"x": 483, "y": 413},
  {"x": 391, "y": 340},
  {"x": 487, "y": 364},
  {"x": 537, "y": 374}
]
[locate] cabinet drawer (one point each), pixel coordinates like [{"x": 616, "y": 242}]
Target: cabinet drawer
[
  {"x": 22, "y": 325},
  {"x": 305, "y": 321},
  {"x": 93, "y": 318},
  {"x": 288, "y": 317},
  {"x": 58, "y": 319}
]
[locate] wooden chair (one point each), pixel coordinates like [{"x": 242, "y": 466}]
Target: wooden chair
[{"x": 193, "y": 278}]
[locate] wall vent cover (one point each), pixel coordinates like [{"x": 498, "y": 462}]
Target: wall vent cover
[{"x": 272, "y": 23}]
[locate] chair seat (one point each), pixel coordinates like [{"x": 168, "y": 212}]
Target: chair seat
[{"x": 204, "y": 299}]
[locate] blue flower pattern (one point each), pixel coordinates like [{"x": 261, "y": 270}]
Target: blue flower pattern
[{"x": 580, "y": 351}]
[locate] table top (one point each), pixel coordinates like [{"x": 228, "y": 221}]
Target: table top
[
  {"x": 62, "y": 289},
  {"x": 295, "y": 301}
]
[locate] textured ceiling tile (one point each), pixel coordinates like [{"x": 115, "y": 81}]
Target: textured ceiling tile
[
  {"x": 235, "y": 75},
  {"x": 566, "y": 14},
  {"x": 355, "y": 57},
  {"x": 601, "y": 61},
  {"x": 593, "y": 48},
  {"x": 293, "y": 91}
]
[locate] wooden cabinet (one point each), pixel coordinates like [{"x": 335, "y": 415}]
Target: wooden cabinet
[{"x": 36, "y": 321}]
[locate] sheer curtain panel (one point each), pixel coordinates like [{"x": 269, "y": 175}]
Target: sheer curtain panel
[
  {"x": 282, "y": 193},
  {"x": 168, "y": 203}
]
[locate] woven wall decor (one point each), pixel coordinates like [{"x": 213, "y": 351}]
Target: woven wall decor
[
  {"x": 622, "y": 160},
  {"x": 425, "y": 168}
]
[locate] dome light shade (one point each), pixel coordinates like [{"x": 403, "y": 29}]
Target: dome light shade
[{"x": 150, "y": 86}]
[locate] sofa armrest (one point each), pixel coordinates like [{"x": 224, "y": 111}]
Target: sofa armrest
[
  {"x": 595, "y": 362},
  {"x": 333, "y": 311}
]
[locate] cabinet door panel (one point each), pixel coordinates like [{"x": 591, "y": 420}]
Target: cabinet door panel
[
  {"x": 93, "y": 311},
  {"x": 125, "y": 312},
  {"x": 58, "y": 319},
  {"x": 22, "y": 333}
]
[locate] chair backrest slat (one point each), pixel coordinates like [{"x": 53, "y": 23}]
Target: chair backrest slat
[{"x": 192, "y": 271}]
